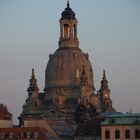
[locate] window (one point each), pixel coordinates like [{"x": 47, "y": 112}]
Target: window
[
  {"x": 127, "y": 134},
  {"x": 11, "y": 135},
  {"x": 29, "y": 135},
  {"x": 36, "y": 134},
  {"x": 66, "y": 31},
  {"x": 137, "y": 133},
  {"x": 107, "y": 134},
  {"x": 74, "y": 31},
  {"x": 117, "y": 134}
]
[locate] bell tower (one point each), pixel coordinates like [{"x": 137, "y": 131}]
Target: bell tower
[
  {"x": 68, "y": 28},
  {"x": 104, "y": 91}
]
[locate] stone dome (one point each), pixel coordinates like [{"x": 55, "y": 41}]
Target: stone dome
[
  {"x": 68, "y": 13},
  {"x": 65, "y": 66}
]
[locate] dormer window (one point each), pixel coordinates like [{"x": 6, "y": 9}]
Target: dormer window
[
  {"x": 11, "y": 135},
  {"x": 36, "y": 134},
  {"x": 29, "y": 135}
]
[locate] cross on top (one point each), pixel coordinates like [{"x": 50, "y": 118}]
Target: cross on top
[{"x": 68, "y": 1}]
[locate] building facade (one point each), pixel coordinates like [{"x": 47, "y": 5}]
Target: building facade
[
  {"x": 17, "y": 133},
  {"x": 69, "y": 83},
  {"x": 121, "y": 127},
  {"x": 5, "y": 117}
]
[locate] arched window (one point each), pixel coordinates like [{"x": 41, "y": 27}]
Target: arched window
[
  {"x": 66, "y": 30},
  {"x": 74, "y": 31},
  {"x": 137, "y": 133},
  {"x": 127, "y": 134},
  {"x": 117, "y": 134},
  {"x": 11, "y": 135},
  {"x": 107, "y": 134},
  {"x": 36, "y": 134},
  {"x": 29, "y": 135}
]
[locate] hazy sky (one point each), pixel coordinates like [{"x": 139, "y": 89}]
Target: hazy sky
[{"x": 109, "y": 30}]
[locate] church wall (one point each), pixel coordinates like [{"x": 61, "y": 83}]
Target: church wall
[
  {"x": 35, "y": 123},
  {"x": 6, "y": 123},
  {"x": 122, "y": 129}
]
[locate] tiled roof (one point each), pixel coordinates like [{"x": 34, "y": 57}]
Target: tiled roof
[{"x": 4, "y": 113}]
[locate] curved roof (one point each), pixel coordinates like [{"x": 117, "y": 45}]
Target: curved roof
[
  {"x": 68, "y": 13},
  {"x": 65, "y": 66}
]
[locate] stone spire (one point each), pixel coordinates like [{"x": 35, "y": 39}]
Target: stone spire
[
  {"x": 104, "y": 82},
  {"x": 104, "y": 91},
  {"x": 33, "y": 83}
]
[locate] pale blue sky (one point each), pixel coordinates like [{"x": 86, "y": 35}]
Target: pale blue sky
[{"x": 109, "y": 30}]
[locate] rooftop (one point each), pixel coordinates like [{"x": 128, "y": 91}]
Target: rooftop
[{"x": 122, "y": 119}]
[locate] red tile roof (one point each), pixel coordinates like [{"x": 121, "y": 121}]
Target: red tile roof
[{"x": 4, "y": 113}]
